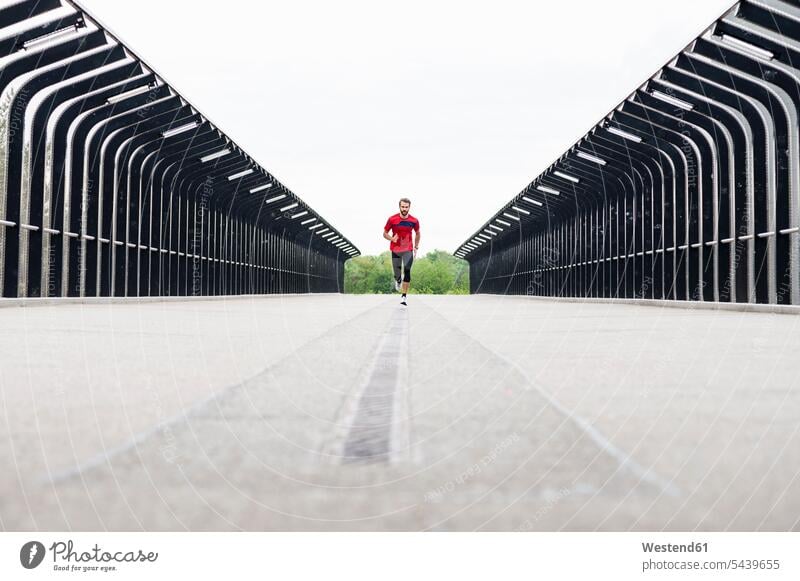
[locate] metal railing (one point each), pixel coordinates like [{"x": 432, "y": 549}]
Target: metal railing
[
  {"x": 113, "y": 184},
  {"x": 688, "y": 190}
]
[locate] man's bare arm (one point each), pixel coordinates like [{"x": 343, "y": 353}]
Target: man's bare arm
[{"x": 390, "y": 238}]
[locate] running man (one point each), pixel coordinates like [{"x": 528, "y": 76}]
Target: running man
[{"x": 403, "y": 250}]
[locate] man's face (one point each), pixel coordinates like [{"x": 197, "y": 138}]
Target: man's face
[{"x": 404, "y": 208}]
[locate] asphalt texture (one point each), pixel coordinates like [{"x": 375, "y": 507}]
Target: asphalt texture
[{"x": 457, "y": 413}]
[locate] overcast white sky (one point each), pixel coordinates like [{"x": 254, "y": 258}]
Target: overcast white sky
[{"x": 457, "y": 105}]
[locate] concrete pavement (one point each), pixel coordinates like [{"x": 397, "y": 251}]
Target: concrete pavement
[{"x": 348, "y": 413}]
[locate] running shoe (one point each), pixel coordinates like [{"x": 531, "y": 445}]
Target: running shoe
[{"x": 397, "y": 285}]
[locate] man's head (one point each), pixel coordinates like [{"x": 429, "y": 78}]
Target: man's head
[{"x": 405, "y": 206}]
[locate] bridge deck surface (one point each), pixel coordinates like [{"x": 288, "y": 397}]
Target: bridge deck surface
[{"x": 347, "y": 413}]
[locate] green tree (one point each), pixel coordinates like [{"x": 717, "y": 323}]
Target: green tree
[{"x": 438, "y": 272}]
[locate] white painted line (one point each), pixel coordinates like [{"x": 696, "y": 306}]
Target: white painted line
[
  {"x": 623, "y": 458},
  {"x": 625, "y": 461}
]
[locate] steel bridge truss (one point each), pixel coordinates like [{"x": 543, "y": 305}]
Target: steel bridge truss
[
  {"x": 688, "y": 190},
  {"x": 112, "y": 184}
]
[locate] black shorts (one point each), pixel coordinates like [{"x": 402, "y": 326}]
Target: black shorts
[{"x": 404, "y": 259}]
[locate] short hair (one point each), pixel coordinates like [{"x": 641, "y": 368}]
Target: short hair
[{"x": 406, "y": 200}]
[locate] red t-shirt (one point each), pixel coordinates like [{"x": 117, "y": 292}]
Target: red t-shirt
[{"x": 402, "y": 227}]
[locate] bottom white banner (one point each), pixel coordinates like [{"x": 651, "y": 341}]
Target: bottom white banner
[{"x": 400, "y": 556}]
